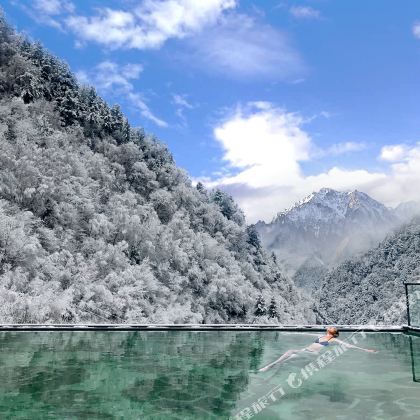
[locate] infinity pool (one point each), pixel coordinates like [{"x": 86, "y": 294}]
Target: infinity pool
[{"x": 203, "y": 375}]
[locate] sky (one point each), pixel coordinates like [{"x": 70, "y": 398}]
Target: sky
[{"x": 269, "y": 100}]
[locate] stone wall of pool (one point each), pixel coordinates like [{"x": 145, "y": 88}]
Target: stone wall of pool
[{"x": 203, "y": 327}]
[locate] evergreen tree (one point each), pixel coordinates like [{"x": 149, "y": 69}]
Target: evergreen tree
[
  {"x": 253, "y": 237},
  {"x": 10, "y": 134},
  {"x": 30, "y": 86},
  {"x": 274, "y": 257},
  {"x": 117, "y": 118},
  {"x": 272, "y": 309},
  {"x": 69, "y": 108},
  {"x": 90, "y": 106},
  {"x": 260, "y": 308},
  {"x": 201, "y": 188},
  {"x": 228, "y": 207}
]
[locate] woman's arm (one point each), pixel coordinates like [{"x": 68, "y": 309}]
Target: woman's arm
[{"x": 352, "y": 346}]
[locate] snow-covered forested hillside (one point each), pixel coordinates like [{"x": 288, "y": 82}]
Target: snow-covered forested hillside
[
  {"x": 370, "y": 289},
  {"x": 97, "y": 223}
]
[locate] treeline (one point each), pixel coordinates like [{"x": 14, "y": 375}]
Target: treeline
[
  {"x": 98, "y": 224},
  {"x": 370, "y": 289}
]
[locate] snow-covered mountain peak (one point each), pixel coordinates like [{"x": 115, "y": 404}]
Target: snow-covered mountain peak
[
  {"x": 328, "y": 205},
  {"x": 327, "y": 226}
]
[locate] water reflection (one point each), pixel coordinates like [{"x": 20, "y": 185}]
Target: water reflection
[
  {"x": 195, "y": 375},
  {"x": 415, "y": 357},
  {"x": 136, "y": 374}
]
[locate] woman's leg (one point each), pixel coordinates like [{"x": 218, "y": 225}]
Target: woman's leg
[{"x": 286, "y": 356}]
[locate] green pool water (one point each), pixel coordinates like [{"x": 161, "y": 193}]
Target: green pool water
[{"x": 203, "y": 375}]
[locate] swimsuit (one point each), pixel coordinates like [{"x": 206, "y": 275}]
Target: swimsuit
[{"x": 323, "y": 343}]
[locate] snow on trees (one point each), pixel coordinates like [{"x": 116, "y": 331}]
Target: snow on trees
[
  {"x": 98, "y": 224},
  {"x": 260, "y": 307}
]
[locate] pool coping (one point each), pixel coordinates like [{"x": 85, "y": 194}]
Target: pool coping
[{"x": 203, "y": 327}]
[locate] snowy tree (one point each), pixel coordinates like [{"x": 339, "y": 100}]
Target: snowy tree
[
  {"x": 227, "y": 206},
  {"x": 272, "y": 309},
  {"x": 260, "y": 308},
  {"x": 274, "y": 257},
  {"x": 253, "y": 237},
  {"x": 367, "y": 287},
  {"x": 10, "y": 134},
  {"x": 201, "y": 188},
  {"x": 98, "y": 224},
  {"x": 30, "y": 86}
]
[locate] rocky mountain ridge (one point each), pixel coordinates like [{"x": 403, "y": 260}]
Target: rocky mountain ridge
[{"x": 328, "y": 227}]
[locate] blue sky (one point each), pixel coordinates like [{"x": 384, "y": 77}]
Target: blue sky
[{"x": 269, "y": 100}]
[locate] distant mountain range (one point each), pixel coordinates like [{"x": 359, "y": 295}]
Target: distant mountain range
[{"x": 327, "y": 227}]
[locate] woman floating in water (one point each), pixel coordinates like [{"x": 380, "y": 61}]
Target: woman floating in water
[{"x": 315, "y": 347}]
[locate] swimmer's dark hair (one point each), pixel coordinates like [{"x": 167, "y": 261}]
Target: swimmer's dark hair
[{"x": 333, "y": 331}]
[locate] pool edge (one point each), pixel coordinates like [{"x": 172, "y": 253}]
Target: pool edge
[{"x": 202, "y": 327}]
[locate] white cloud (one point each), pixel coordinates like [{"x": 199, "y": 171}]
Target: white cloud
[
  {"x": 325, "y": 114},
  {"x": 402, "y": 182},
  {"x": 297, "y": 81},
  {"x": 304, "y": 12},
  {"x": 218, "y": 38},
  {"x": 393, "y": 153},
  {"x": 416, "y": 30},
  {"x": 111, "y": 77},
  {"x": 150, "y": 24},
  {"x": 264, "y": 148},
  {"x": 138, "y": 101},
  {"x": 340, "y": 149},
  {"x": 53, "y": 7},
  {"x": 131, "y": 71},
  {"x": 240, "y": 46},
  {"x": 264, "y": 143},
  {"x": 181, "y": 101},
  {"x": 47, "y": 12}
]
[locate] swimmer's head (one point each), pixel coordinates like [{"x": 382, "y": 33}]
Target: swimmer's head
[{"x": 333, "y": 331}]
